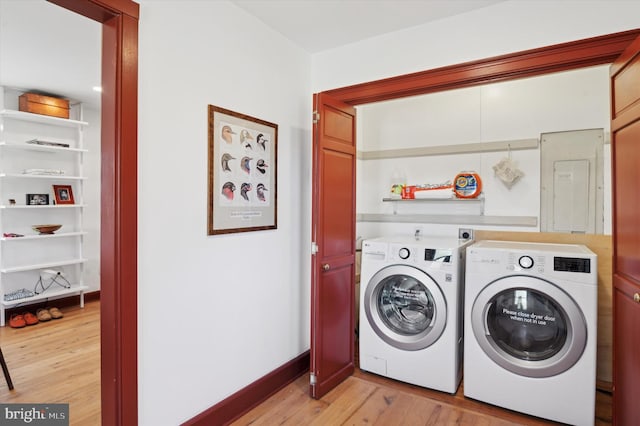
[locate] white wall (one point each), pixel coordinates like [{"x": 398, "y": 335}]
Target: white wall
[
  {"x": 507, "y": 111},
  {"x": 216, "y": 312},
  {"x": 505, "y": 27}
]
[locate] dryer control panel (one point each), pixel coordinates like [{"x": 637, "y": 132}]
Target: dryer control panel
[
  {"x": 403, "y": 252},
  {"x": 573, "y": 263}
]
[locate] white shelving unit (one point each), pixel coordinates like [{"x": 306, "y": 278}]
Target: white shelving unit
[
  {"x": 471, "y": 212},
  {"x": 24, "y": 258},
  {"x": 477, "y": 202}
]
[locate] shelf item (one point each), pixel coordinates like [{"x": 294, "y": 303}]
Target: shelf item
[
  {"x": 45, "y": 105},
  {"x": 36, "y": 152}
]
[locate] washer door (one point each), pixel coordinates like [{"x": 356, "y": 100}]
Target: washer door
[
  {"x": 405, "y": 307},
  {"x": 529, "y": 326}
]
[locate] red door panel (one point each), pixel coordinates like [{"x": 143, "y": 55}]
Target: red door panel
[
  {"x": 627, "y": 145},
  {"x": 333, "y": 231},
  {"x": 625, "y": 150},
  {"x": 338, "y": 219}
]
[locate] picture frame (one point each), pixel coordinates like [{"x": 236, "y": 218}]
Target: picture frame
[
  {"x": 242, "y": 173},
  {"x": 37, "y": 199},
  {"x": 63, "y": 194}
]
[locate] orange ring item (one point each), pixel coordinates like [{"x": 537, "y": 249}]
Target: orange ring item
[{"x": 467, "y": 185}]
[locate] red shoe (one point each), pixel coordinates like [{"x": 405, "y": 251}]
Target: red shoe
[
  {"x": 17, "y": 321},
  {"x": 30, "y": 319}
]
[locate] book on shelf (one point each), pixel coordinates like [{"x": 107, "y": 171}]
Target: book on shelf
[
  {"x": 48, "y": 143},
  {"x": 50, "y": 172}
]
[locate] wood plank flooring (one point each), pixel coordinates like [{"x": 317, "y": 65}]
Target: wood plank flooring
[
  {"x": 369, "y": 399},
  {"x": 56, "y": 362},
  {"x": 59, "y": 362}
]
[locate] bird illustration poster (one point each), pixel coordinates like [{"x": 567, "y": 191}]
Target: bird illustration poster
[{"x": 242, "y": 172}]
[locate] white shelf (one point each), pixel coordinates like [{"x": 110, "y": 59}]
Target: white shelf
[
  {"x": 478, "y": 202},
  {"x": 467, "y": 148},
  {"x": 45, "y": 265},
  {"x": 45, "y": 236},
  {"x": 44, "y": 148},
  {"x": 453, "y": 219},
  {"x": 51, "y": 177},
  {"x": 47, "y": 294},
  {"x": 47, "y": 206},
  {"x": 42, "y": 119},
  {"x": 445, "y": 200}
]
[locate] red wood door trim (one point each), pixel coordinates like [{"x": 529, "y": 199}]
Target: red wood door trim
[
  {"x": 118, "y": 258},
  {"x": 561, "y": 57}
]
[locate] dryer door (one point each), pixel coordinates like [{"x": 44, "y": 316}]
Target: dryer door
[
  {"x": 529, "y": 326},
  {"x": 405, "y": 307}
]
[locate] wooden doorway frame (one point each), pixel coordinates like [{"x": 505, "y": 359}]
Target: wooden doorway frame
[
  {"x": 119, "y": 199},
  {"x": 529, "y": 63}
]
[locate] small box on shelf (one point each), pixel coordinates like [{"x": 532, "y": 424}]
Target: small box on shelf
[{"x": 44, "y": 105}]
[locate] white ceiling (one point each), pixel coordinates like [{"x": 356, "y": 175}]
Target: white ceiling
[
  {"x": 317, "y": 25},
  {"x": 47, "y": 48}
]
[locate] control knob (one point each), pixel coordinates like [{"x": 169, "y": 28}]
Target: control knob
[
  {"x": 526, "y": 262},
  {"x": 404, "y": 253}
]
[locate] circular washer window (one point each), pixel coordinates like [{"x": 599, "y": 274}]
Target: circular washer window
[
  {"x": 405, "y": 307},
  {"x": 529, "y": 326}
]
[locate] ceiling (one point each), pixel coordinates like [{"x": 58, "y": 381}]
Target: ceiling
[
  {"x": 40, "y": 48},
  {"x": 317, "y": 25}
]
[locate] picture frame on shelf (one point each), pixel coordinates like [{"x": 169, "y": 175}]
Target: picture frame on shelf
[
  {"x": 63, "y": 194},
  {"x": 37, "y": 199},
  {"x": 243, "y": 173}
]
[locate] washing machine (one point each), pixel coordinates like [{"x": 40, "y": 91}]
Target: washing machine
[
  {"x": 531, "y": 328},
  {"x": 411, "y": 316}
]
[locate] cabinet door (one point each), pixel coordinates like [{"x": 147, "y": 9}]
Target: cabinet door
[
  {"x": 333, "y": 228},
  {"x": 625, "y": 143}
]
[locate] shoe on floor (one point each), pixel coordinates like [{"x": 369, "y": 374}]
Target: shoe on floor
[
  {"x": 30, "y": 319},
  {"x": 43, "y": 315},
  {"x": 17, "y": 321},
  {"x": 55, "y": 313}
]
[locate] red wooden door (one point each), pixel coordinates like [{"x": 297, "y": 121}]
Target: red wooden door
[
  {"x": 625, "y": 140},
  {"x": 333, "y": 232}
]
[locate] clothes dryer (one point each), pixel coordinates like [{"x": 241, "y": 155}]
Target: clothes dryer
[
  {"x": 531, "y": 328},
  {"x": 411, "y": 313}
]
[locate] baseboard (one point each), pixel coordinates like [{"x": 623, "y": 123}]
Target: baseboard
[
  {"x": 63, "y": 302},
  {"x": 249, "y": 397}
]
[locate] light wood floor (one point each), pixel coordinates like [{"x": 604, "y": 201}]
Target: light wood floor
[
  {"x": 59, "y": 362},
  {"x": 369, "y": 399},
  {"x": 56, "y": 362}
]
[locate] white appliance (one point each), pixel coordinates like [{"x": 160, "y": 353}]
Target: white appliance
[
  {"x": 531, "y": 328},
  {"x": 411, "y": 314}
]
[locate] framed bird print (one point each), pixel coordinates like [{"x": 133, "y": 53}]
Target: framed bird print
[{"x": 242, "y": 173}]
